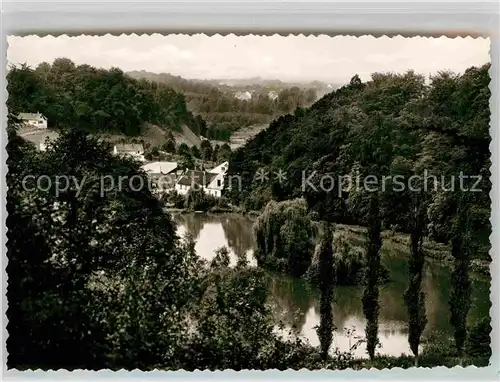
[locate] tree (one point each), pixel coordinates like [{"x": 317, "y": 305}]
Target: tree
[
  {"x": 325, "y": 330},
  {"x": 371, "y": 292},
  {"x": 460, "y": 298},
  {"x": 111, "y": 254},
  {"x": 169, "y": 146},
  {"x": 95, "y": 100},
  {"x": 283, "y": 236},
  {"x": 187, "y": 163},
  {"x": 414, "y": 297},
  {"x": 195, "y": 152},
  {"x": 206, "y": 150},
  {"x": 184, "y": 150},
  {"x": 224, "y": 153},
  {"x": 215, "y": 153}
]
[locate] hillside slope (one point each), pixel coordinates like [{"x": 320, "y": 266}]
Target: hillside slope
[
  {"x": 96, "y": 100},
  {"x": 392, "y": 125},
  {"x": 228, "y": 106}
]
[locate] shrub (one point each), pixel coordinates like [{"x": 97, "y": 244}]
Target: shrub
[
  {"x": 283, "y": 236},
  {"x": 478, "y": 341}
]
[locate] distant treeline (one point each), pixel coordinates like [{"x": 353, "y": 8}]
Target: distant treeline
[
  {"x": 225, "y": 113},
  {"x": 96, "y": 100}
]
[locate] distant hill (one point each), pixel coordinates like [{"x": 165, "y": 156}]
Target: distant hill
[
  {"x": 231, "y": 85},
  {"x": 230, "y": 105}
]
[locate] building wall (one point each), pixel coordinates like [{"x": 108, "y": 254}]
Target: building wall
[
  {"x": 215, "y": 193},
  {"x": 183, "y": 190},
  {"x": 38, "y": 123},
  {"x": 139, "y": 157}
]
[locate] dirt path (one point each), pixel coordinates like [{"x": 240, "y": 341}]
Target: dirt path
[{"x": 242, "y": 136}]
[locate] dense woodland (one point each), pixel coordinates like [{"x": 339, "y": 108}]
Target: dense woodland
[
  {"x": 391, "y": 125},
  {"x": 224, "y": 113},
  {"x": 96, "y": 100},
  {"x": 101, "y": 280},
  {"x": 112, "y": 101}
]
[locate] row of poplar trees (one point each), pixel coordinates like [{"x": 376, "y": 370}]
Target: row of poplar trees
[
  {"x": 414, "y": 297},
  {"x": 446, "y": 141}
]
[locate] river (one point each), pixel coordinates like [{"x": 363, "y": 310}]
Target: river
[{"x": 296, "y": 303}]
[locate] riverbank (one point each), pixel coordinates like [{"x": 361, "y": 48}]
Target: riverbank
[
  {"x": 432, "y": 249},
  {"x": 230, "y": 209},
  {"x": 296, "y": 303},
  {"x": 392, "y": 240}
]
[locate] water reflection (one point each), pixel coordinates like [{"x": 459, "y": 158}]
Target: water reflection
[
  {"x": 214, "y": 231},
  {"x": 296, "y": 303}
]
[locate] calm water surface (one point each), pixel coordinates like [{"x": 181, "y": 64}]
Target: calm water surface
[{"x": 296, "y": 303}]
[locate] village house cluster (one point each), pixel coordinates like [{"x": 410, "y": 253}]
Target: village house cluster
[{"x": 166, "y": 175}]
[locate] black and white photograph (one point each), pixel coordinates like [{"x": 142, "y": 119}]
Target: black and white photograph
[{"x": 248, "y": 202}]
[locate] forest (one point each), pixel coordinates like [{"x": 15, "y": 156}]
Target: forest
[
  {"x": 395, "y": 124},
  {"x": 102, "y": 279},
  {"x": 224, "y": 113},
  {"x": 96, "y": 100}
]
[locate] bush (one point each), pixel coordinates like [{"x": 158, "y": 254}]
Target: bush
[
  {"x": 174, "y": 199},
  {"x": 478, "y": 341},
  {"x": 283, "y": 235}
]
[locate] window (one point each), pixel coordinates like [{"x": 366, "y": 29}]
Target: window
[{"x": 218, "y": 182}]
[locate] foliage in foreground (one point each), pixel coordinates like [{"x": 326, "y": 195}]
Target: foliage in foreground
[{"x": 102, "y": 281}]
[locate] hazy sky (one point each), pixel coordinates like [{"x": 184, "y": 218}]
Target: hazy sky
[{"x": 292, "y": 58}]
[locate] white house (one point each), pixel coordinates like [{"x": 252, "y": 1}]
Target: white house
[
  {"x": 273, "y": 95},
  {"x": 191, "y": 179},
  {"x": 211, "y": 182},
  {"x": 37, "y": 120},
  {"x": 216, "y": 185},
  {"x": 222, "y": 168},
  {"x": 163, "y": 174},
  {"x": 135, "y": 151},
  {"x": 244, "y": 96}
]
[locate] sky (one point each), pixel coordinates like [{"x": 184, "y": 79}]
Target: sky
[{"x": 287, "y": 58}]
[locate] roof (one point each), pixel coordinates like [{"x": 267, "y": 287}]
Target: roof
[
  {"x": 129, "y": 147},
  {"x": 160, "y": 167},
  {"x": 193, "y": 177},
  {"x": 30, "y": 116},
  {"x": 164, "y": 181},
  {"x": 220, "y": 168}
]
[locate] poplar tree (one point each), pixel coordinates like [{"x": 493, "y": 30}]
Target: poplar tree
[
  {"x": 326, "y": 285},
  {"x": 414, "y": 297},
  {"x": 371, "y": 292},
  {"x": 460, "y": 296}
]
